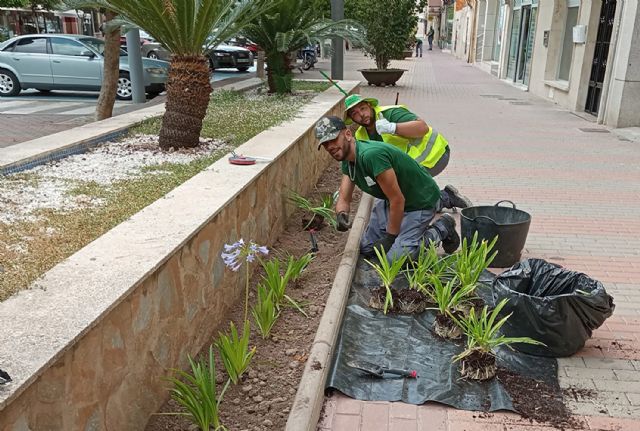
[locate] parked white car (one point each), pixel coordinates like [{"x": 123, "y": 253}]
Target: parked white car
[{"x": 68, "y": 62}]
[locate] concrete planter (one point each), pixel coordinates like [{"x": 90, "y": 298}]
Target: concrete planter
[{"x": 382, "y": 78}]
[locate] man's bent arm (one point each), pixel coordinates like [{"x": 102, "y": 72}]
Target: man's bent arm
[
  {"x": 412, "y": 129},
  {"x": 345, "y": 194},
  {"x": 388, "y": 182}
]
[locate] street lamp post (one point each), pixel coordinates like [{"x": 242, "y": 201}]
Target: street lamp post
[{"x": 337, "y": 60}]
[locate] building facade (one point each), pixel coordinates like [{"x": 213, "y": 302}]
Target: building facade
[
  {"x": 15, "y": 22},
  {"x": 580, "y": 54}
]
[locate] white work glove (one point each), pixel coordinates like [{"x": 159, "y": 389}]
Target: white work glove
[{"x": 385, "y": 126}]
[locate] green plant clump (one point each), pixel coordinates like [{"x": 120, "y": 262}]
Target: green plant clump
[
  {"x": 277, "y": 281},
  {"x": 472, "y": 259},
  {"x": 265, "y": 313},
  {"x": 323, "y": 211},
  {"x": 387, "y": 273},
  {"x": 196, "y": 392},
  {"x": 234, "y": 351},
  {"x": 449, "y": 298},
  {"x": 482, "y": 339}
]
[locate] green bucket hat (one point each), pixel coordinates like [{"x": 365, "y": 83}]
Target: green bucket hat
[{"x": 352, "y": 100}]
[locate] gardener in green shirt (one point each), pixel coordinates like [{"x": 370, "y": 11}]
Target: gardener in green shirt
[
  {"x": 407, "y": 197},
  {"x": 398, "y": 126}
]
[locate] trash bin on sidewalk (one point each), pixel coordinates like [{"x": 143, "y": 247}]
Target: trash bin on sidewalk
[{"x": 551, "y": 304}]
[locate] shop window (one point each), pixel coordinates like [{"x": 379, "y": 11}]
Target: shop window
[{"x": 567, "y": 42}]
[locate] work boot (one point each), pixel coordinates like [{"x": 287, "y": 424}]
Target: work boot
[
  {"x": 456, "y": 200},
  {"x": 446, "y": 226}
]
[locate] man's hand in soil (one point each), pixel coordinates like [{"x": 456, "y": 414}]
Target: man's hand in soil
[
  {"x": 342, "y": 220},
  {"x": 385, "y": 242}
]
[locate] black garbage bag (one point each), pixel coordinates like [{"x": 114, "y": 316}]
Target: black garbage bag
[{"x": 551, "y": 304}]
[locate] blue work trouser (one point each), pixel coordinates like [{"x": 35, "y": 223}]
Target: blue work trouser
[{"x": 413, "y": 230}]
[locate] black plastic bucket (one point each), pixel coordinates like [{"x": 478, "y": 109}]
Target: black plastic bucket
[{"x": 510, "y": 224}]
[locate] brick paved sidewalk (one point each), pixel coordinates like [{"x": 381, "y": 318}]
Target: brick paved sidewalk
[{"x": 582, "y": 188}]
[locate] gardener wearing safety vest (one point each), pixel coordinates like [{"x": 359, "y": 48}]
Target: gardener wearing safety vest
[
  {"x": 398, "y": 126},
  {"x": 407, "y": 197}
]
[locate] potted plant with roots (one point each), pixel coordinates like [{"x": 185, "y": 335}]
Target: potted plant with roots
[
  {"x": 478, "y": 360},
  {"x": 417, "y": 299},
  {"x": 387, "y": 271},
  {"x": 390, "y": 25},
  {"x": 450, "y": 299}
]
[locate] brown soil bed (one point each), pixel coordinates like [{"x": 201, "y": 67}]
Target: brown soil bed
[
  {"x": 405, "y": 301},
  {"x": 537, "y": 401},
  {"x": 264, "y": 397}
]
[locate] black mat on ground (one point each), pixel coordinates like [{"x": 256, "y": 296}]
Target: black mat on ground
[{"x": 407, "y": 342}]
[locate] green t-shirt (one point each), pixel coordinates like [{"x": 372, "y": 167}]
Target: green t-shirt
[
  {"x": 372, "y": 158},
  {"x": 394, "y": 115}
]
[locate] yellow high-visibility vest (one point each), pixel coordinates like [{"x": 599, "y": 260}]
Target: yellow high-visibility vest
[{"x": 426, "y": 150}]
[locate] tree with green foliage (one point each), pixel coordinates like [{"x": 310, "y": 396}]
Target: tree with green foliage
[
  {"x": 188, "y": 29},
  {"x": 13, "y": 3},
  {"x": 289, "y": 26},
  {"x": 390, "y": 26}
]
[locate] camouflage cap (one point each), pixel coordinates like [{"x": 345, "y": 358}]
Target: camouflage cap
[{"x": 328, "y": 129}]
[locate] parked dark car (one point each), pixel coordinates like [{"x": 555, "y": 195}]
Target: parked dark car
[
  {"x": 227, "y": 56},
  {"x": 68, "y": 62}
]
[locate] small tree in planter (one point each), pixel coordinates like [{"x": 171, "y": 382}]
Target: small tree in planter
[
  {"x": 478, "y": 361},
  {"x": 389, "y": 24}
]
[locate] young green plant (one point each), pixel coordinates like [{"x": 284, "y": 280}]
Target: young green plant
[
  {"x": 324, "y": 211},
  {"x": 277, "y": 282},
  {"x": 295, "y": 266},
  {"x": 234, "y": 351},
  {"x": 422, "y": 266},
  {"x": 196, "y": 392},
  {"x": 387, "y": 273},
  {"x": 448, "y": 298},
  {"x": 472, "y": 259},
  {"x": 265, "y": 313},
  {"x": 482, "y": 340}
]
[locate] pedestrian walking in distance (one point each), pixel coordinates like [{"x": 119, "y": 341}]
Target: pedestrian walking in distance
[{"x": 430, "y": 38}]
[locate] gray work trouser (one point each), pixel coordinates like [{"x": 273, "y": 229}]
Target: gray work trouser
[
  {"x": 445, "y": 199},
  {"x": 414, "y": 229}
]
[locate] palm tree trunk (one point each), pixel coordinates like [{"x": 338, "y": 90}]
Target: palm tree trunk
[
  {"x": 111, "y": 70},
  {"x": 188, "y": 91},
  {"x": 279, "y": 74}
]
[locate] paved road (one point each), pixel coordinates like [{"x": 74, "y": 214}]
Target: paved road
[{"x": 33, "y": 114}]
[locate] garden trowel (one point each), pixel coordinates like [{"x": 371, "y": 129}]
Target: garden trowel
[{"x": 379, "y": 371}]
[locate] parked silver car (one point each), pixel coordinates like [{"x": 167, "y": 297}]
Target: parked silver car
[{"x": 68, "y": 62}]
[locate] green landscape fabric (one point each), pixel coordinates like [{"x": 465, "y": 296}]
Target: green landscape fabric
[{"x": 407, "y": 342}]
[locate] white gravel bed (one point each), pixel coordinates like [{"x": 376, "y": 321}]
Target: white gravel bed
[{"x": 47, "y": 186}]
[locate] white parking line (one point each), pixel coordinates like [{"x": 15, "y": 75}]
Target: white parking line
[
  {"x": 11, "y": 103},
  {"x": 42, "y": 107},
  {"x": 87, "y": 110}
]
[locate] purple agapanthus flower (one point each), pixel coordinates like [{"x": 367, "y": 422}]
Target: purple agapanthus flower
[{"x": 239, "y": 251}]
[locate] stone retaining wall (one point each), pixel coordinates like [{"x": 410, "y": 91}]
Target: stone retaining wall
[{"x": 88, "y": 345}]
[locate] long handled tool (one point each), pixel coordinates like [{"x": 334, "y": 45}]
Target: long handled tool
[
  {"x": 378, "y": 371},
  {"x": 334, "y": 83}
]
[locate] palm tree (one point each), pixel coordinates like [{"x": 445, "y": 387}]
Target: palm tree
[
  {"x": 289, "y": 26},
  {"x": 188, "y": 29}
]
